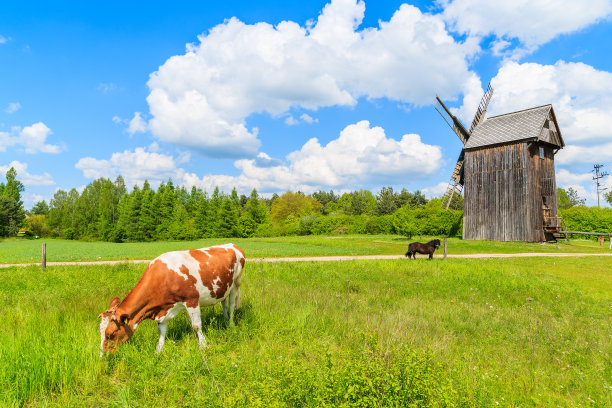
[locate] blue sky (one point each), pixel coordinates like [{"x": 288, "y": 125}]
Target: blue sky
[{"x": 290, "y": 95}]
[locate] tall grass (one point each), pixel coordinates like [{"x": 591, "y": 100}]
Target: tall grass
[
  {"x": 26, "y": 251},
  {"x": 501, "y": 332}
]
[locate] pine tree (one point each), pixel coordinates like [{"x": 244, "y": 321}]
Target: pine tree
[
  {"x": 40, "y": 208},
  {"x": 385, "y": 201},
  {"x": 147, "y": 213},
  {"x": 227, "y": 225},
  {"x": 134, "y": 231},
  {"x": 12, "y": 214}
]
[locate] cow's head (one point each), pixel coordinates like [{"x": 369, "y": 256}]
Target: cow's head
[{"x": 114, "y": 328}]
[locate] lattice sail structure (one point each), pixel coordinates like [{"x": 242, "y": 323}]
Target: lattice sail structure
[{"x": 455, "y": 185}]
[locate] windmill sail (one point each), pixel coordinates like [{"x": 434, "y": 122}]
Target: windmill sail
[
  {"x": 482, "y": 108},
  {"x": 452, "y": 121},
  {"x": 455, "y": 184}
]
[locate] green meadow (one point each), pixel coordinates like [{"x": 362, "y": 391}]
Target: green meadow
[
  {"x": 524, "y": 332},
  {"x": 29, "y": 251}
]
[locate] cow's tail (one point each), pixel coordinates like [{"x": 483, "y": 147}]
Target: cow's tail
[{"x": 239, "y": 267}]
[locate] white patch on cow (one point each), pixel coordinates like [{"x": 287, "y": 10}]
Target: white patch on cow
[
  {"x": 175, "y": 260},
  {"x": 103, "y": 325},
  {"x": 171, "y": 313},
  {"x": 216, "y": 284}
]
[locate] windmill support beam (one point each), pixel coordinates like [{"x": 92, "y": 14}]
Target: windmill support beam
[{"x": 450, "y": 199}]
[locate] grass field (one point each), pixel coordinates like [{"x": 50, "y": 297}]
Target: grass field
[
  {"x": 460, "y": 332},
  {"x": 28, "y": 251}
]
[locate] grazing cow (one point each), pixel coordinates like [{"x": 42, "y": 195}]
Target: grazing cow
[
  {"x": 172, "y": 282},
  {"x": 427, "y": 248}
]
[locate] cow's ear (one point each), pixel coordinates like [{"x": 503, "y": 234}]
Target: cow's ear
[
  {"x": 124, "y": 319},
  {"x": 114, "y": 302}
]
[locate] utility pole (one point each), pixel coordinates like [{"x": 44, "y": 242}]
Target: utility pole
[{"x": 597, "y": 177}]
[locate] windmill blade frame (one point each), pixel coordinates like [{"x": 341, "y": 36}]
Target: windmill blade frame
[{"x": 456, "y": 181}]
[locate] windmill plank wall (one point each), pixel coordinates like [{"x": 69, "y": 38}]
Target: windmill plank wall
[
  {"x": 542, "y": 172},
  {"x": 503, "y": 192}
]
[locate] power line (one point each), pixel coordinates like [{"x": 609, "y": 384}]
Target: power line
[{"x": 599, "y": 176}]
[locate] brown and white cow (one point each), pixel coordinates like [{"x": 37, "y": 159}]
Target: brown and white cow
[{"x": 172, "y": 282}]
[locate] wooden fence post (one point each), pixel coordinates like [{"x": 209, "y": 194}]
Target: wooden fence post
[
  {"x": 44, "y": 256},
  {"x": 444, "y": 247}
]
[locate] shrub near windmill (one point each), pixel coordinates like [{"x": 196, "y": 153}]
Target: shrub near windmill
[{"x": 506, "y": 171}]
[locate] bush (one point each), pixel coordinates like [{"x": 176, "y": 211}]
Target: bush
[
  {"x": 404, "y": 379},
  {"x": 588, "y": 219},
  {"x": 429, "y": 220}
]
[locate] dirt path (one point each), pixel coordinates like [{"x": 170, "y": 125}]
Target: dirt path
[{"x": 337, "y": 258}]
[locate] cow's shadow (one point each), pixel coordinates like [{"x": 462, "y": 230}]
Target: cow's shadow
[{"x": 212, "y": 319}]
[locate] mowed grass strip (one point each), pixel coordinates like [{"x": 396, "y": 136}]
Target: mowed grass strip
[
  {"x": 497, "y": 332},
  {"x": 29, "y": 251}
]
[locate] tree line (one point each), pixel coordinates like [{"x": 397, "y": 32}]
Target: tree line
[{"x": 106, "y": 210}]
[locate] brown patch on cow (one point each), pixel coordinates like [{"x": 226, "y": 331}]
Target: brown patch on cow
[
  {"x": 241, "y": 251},
  {"x": 219, "y": 269},
  {"x": 146, "y": 300}
]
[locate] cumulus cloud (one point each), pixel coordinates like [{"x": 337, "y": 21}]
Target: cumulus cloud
[
  {"x": 435, "y": 191},
  {"x": 532, "y": 22},
  {"x": 202, "y": 99},
  {"x": 304, "y": 118},
  {"x": 12, "y": 107},
  {"x": 566, "y": 178},
  {"x": 29, "y": 180},
  {"x": 137, "y": 124},
  {"x": 135, "y": 166},
  {"x": 360, "y": 155},
  {"x": 581, "y": 97},
  {"x": 31, "y": 138}
]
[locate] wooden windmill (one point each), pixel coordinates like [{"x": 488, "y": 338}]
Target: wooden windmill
[
  {"x": 457, "y": 178},
  {"x": 506, "y": 171}
]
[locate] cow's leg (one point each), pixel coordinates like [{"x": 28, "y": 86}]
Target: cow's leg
[
  {"x": 232, "y": 298},
  {"x": 196, "y": 323},
  {"x": 161, "y": 328},
  {"x": 224, "y": 304}
]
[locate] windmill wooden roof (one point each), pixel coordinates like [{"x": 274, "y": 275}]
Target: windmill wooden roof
[{"x": 535, "y": 124}]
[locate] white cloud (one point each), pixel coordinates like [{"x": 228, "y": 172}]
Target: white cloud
[
  {"x": 291, "y": 121},
  {"x": 107, "y": 87},
  {"x": 3, "y": 39},
  {"x": 532, "y": 22},
  {"x": 135, "y": 166},
  {"x": 360, "y": 155},
  {"x": 304, "y": 118},
  {"x": 567, "y": 178},
  {"x": 308, "y": 119},
  {"x": 137, "y": 124},
  {"x": 12, "y": 107},
  {"x": 581, "y": 97},
  {"x": 31, "y": 138},
  {"x": 588, "y": 155},
  {"x": 25, "y": 177},
  {"x": 435, "y": 191},
  {"x": 202, "y": 99}
]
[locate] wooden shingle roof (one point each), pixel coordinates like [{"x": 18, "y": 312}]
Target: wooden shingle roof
[{"x": 536, "y": 124}]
